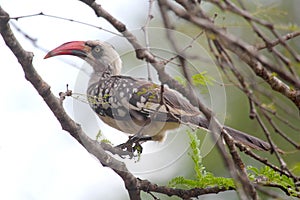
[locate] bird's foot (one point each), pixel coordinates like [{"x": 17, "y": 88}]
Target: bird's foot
[{"x": 133, "y": 145}]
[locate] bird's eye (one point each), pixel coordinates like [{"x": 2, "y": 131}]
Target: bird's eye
[{"x": 97, "y": 51}]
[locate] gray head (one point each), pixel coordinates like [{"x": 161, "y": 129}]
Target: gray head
[{"x": 100, "y": 55}]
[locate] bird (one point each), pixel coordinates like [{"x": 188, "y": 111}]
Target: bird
[{"x": 136, "y": 106}]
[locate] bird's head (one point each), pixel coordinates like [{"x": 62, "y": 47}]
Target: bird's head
[{"x": 100, "y": 55}]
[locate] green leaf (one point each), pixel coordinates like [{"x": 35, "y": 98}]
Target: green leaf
[
  {"x": 202, "y": 177},
  {"x": 180, "y": 80},
  {"x": 202, "y": 79},
  {"x": 296, "y": 168},
  {"x": 106, "y": 141},
  {"x": 99, "y": 135},
  {"x": 195, "y": 155},
  {"x": 267, "y": 175}
]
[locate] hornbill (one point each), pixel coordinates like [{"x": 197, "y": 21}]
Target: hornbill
[{"x": 137, "y": 106}]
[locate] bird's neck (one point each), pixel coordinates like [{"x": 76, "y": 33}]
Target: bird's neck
[
  {"x": 98, "y": 76},
  {"x": 105, "y": 70}
]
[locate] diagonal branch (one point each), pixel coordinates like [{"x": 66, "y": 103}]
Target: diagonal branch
[
  {"x": 142, "y": 53},
  {"x": 215, "y": 127},
  {"x": 275, "y": 42},
  {"x": 133, "y": 185},
  {"x": 54, "y": 103},
  {"x": 184, "y": 194},
  {"x": 258, "y": 63}
]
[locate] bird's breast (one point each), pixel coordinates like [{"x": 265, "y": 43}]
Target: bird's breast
[{"x": 124, "y": 104}]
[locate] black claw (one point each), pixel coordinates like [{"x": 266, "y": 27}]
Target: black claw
[{"x": 133, "y": 145}]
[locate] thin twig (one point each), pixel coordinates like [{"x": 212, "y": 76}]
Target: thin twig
[
  {"x": 275, "y": 42},
  {"x": 65, "y": 19},
  {"x": 260, "y": 34},
  {"x": 146, "y": 34},
  {"x": 258, "y": 63}
]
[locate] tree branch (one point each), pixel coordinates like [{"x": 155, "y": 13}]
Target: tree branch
[
  {"x": 182, "y": 193},
  {"x": 132, "y": 184},
  {"x": 258, "y": 63},
  {"x": 54, "y": 103},
  {"x": 192, "y": 12}
]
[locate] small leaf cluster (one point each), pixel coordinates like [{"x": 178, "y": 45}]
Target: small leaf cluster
[
  {"x": 200, "y": 79},
  {"x": 269, "y": 177},
  {"x": 203, "y": 178},
  {"x": 100, "y": 137}
]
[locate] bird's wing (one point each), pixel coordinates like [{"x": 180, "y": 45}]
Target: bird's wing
[
  {"x": 178, "y": 104},
  {"x": 151, "y": 98}
]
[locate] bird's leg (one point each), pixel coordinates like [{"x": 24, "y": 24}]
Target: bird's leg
[
  {"x": 137, "y": 140},
  {"x": 133, "y": 144}
]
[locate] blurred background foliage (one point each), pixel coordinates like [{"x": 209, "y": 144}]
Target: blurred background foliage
[{"x": 284, "y": 15}]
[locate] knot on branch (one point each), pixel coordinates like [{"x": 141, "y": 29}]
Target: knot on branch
[
  {"x": 4, "y": 18},
  {"x": 26, "y": 57},
  {"x": 121, "y": 26},
  {"x": 142, "y": 54},
  {"x": 45, "y": 90}
]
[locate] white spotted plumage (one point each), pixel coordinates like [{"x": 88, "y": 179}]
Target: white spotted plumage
[{"x": 134, "y": 106}]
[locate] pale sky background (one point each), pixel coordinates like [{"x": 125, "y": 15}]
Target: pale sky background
[{"x": 37, "y": 159}]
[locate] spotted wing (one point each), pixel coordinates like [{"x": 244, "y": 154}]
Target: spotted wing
[{"x": 162, "y": 104}]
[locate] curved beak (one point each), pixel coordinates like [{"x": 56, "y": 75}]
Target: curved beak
[{"x": 75, "y": 48}]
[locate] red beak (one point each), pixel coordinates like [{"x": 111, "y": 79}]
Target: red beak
[{"x": 75, "y": 48}]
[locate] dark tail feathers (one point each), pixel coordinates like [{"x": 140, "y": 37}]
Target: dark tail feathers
[{"x": 245, "y": 139}]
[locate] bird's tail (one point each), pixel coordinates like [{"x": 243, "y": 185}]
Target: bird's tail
[
  {"x": 248, "y": 140},
  {"x": 239, "y": 136}
]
